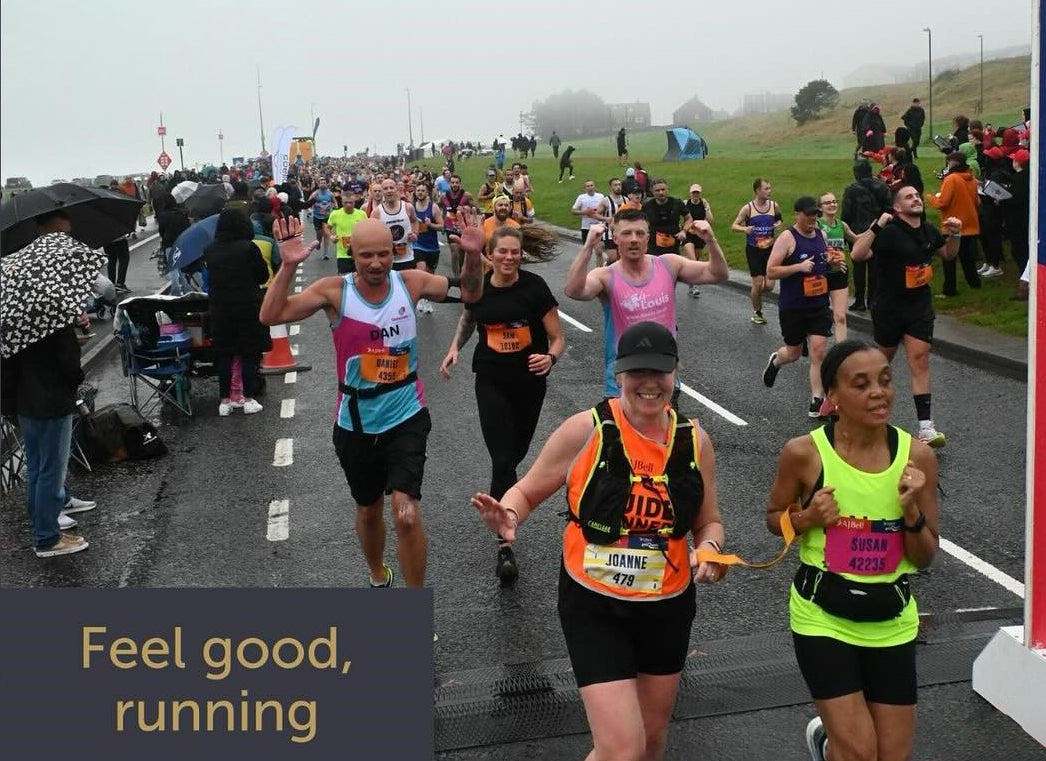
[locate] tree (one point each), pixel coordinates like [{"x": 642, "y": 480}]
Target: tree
[
  {"x": 811, "y": 101},
  {"x": 571, "y": 113}
]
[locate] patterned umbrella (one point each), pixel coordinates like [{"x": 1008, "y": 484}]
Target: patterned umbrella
[{"x": 45, "y": 286}]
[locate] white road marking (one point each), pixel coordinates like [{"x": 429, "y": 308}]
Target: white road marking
[
  {"x": 150, "y": 239},
  {"x": 976, "y": 610},
  {"x": 291, "y": 377},
  {"x": 294, "y": 350},
  {"x": 297, "y": 289},
  {"x": 298, "y": 279},
  {"x": 721, "y": 411},
  {"x": 295, "y": 330},
  {"x": 983, "y": 567},
  {"x": 279, "y": 520},
  {"x": 287, "y": 408},
  {"x": 579, "y": 325},
  {"x": 284, "y": 454}
]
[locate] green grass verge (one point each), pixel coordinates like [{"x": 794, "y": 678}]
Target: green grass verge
[{"x": 727, "y": 176}]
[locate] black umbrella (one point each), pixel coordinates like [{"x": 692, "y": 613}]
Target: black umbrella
[
  {"x": 98, "y": 216},
  {"x": 207, "y": 201}
]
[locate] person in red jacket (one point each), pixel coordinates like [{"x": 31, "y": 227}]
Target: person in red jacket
[{"x": 958, "y": 198}]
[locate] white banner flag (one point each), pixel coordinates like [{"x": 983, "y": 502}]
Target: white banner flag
[{"x": 280, "y": 148}]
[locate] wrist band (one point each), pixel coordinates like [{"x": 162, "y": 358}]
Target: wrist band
[
  {"x": 875, "y": 228},
  {"x": 916, "y": 527},
  {"x": 553, "y": 357}
]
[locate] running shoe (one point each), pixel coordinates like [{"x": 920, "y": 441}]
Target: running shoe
[
  {"x": 816, "y": 739},
  {"x": 694, "y": 292},
  {"x": 506, "y": 569},
  {"x": 858, "y": 306},
  {"x": 225, "y": 409},
  {"x": 983, "y": 268},
  {"x": 65, "y": 522},
  {"x": 991, "y": 272},
  {"x": 931, "y": 436},
  {"x": 250, "y": 406},
  {"x": 758, "y": 319},
  {"x": 75, "y": 505},
  {"x": 326, "y": 257},
  {"x": 815, "y": 407},
  {"x": 389, "y": 578},
  {"x": 770, "y": 373}
]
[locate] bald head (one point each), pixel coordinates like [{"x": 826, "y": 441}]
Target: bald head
[{"x": 371, "y": 235}]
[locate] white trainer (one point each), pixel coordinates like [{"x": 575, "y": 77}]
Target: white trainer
[
  {"x": 250, "y": 406},
  {"x": 65, "y": 522},
  {"x": 75, "y": 505}
]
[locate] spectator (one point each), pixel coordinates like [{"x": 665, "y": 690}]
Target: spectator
[
  {"x": 643, "y": 179},
  {"x": 907, "y": 171},
  {"x": 873, "y": 130},
  {"x": 958, "y": 198},
  {"x": 913, "y": 119},
  {"x": 960, "y": 130},
  {"x": 554, "y": 141},
  {"x": 863, "y": 201},
  {"x": 1016, "y": 210},
  {"x": 856, "y": 122}
]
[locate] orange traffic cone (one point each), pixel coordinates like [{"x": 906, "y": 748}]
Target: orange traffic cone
[{"x": 280, "y": 360}]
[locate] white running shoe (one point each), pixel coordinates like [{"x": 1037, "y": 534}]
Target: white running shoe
[
  {"x": 815, "y": 739},
  {"x": 930, "y": 436},
  {"x": 65, "y": 522},
  {"x": 225, "y": 409},
  {"x": 983, "y": 268},
  {"x": 992, "y": 272},
  {"x": 250, "y": 406},
  {"x": 75, "y": 505}
]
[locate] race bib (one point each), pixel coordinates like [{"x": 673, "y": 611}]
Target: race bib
[
  {"x": 764, "y": 241},
  {"x": 632, "y": 564},
  {"x": 423, "y": 225},
  {"x": 452, "y": 220},
  {"x": 508, "y": 337},
  {"x": 815, "y": 285},
  {"x": 864, "y": 547},
  {"x": 664, "y": 240},
  {"x": 917, "y": 275},
  {"x": 400, "y": 250},
  {"x": 385, "y": 365}
]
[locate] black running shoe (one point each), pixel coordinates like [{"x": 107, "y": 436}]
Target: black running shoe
[
  {"x": 770, "y": 373},
  {"x": 858, "y": 306},
  {"x": 506, "y": 569},
  {"x": 815, "y": 407}
]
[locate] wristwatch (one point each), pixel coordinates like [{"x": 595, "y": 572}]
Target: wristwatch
[
  {"x": 553, "y": 357},
  {"x": 916, "y": 527}
]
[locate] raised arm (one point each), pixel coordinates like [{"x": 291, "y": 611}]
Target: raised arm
[
  {"x": 582, "y": 284},
  {"x": 278, "y": 308},
  {"x": 862, "y": 246}
]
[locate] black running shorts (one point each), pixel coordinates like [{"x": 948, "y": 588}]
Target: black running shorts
[
  {"x": 838, "y": 280},
  {"x": 891, "y": 322},
  {"x": 429, "y": 258},
  {"x": 833, "y": 668},
  {"x": 797, "y": 324},
  {"x": 400, "y": 266},
  {"x": 610, "y": 639},
  {"x": 381, "y": 463},
  {"x": 757, "y": 259},
  {"x": 699, "y": 242},
  {"x": 317, "y": 225},
  {"x": 346, "y": 264}
]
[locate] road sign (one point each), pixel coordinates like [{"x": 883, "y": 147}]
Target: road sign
[
  {"x": 161, "y": 130},
  {"x": 164, "y": 161},
  {"x": 179, "y": 142}
]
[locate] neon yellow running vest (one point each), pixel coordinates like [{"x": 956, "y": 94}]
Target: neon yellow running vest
[{"x": 871, "y": 497}]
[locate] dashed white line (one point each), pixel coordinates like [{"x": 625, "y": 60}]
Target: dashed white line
[
  {"x": 295, "y": 330},
  {"x": 290, "y": 377},
  {"x": 717, "y": 409},
  {"x": 279, "y": 520},
  {"x": 983, "y": 567},
  {"x": 294, "y": 350},
  {"x": 284, "y": 454},
  {"x": 287, "y": 408},
  {"x": 297, "y": 289},
  {"x": 579, "y": 325}
]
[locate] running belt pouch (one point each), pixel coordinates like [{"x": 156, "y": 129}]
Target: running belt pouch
[{"x": 853, "y": 600}]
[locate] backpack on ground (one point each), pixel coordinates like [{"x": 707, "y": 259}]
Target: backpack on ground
[{"x": 119, "y": 432}]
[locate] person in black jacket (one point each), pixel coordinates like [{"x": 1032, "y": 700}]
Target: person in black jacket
[
  {"x": 913, "y": 119},
  {"x": 566, "y": 163},
  {"x": 236, "y": 271},
  {"x": 863, "y": 202},
  {"x": 873, "y": 130}
]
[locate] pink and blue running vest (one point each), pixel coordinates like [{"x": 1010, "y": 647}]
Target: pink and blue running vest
[{"x": 376, "y": 350}]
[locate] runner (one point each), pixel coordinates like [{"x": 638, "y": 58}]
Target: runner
[
  {"x": 520, "y": 339},
  {"x": 340, "y": 225},
  {"x": 443, "y": 184},
  {"x": 868, "y": 520},
  {"x": 758, "y": 219},
  {"x": 799, "y": 260},
  {"x": 522, "y": 208},
  {"x": 426, "y": 247},
  {"x": 902, "y": 246},
  {"x": 356, "y": 185},
  {"x": 322, "y": 201},
  {"x": 622, "y": 148},
  {"x": 487, "y": 191},
  {"x": 586, "y": 206},
  {"x": 381, "y": 424},
  {"x": 627, "y": 633},
  {"x": 837, "y": 233},
  {"x": 664, "y": 214},
  {"x": 607, "y": 209},
  {"x": 502, "y": 218},
  {"x": 698, "y": 208},
  {"x": 638, "y": 287},
  {"x": 566, "y": 163},
  {"x": 399, "y": 217},
  {"x": 454, "y": 198}
]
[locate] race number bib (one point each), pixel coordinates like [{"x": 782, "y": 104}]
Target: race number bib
[
  {"x": 917, "y": 275},
  {"x": 423, "y": 225},
  {"x": 632, "y": 564},
  {"x": 664, "y": 240},
  {"x": 863, "y": 547},
  {"x": 385, "y": 365},
  {"x": 508, "y": 337},
  {"x": 815, "y": 285},
  {"x": 399, "y": 251}
]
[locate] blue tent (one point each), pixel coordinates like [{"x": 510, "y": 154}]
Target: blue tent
[{"x": 685, "y": 145}]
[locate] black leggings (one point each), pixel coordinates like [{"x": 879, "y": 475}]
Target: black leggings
[
  {"x": 968, "y": 250},
  {"x": 864, "y": 282},
  {"x": 119, "y": 254},
  {"x": 509, "y": 409},
  {"x": 566, "y": 168}
]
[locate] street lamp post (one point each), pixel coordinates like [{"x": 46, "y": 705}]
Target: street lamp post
[
  {"x": 261, "y": 123},
  {"x": 929, "y": 70},
  {"x": 410, "y": 119},
  {"x": 980, "y": 102},
  {"x": 221, "y": 149}
]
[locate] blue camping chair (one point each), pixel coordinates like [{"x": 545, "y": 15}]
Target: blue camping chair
[{"x": 163, "y": 371}]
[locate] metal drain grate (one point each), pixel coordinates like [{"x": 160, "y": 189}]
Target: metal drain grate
[{"x": 511, "y": 703}]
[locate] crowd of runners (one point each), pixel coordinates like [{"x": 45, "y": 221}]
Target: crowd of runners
[{"x": 857, "y": 494}]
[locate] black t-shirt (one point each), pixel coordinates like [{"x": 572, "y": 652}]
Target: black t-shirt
[
  {"x": 663, "y": 218},
  {"x": 901, "y": 253},
  {"x": 509, "y": 324}
]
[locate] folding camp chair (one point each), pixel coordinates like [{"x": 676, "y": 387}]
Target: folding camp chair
[
  {"x": 12, "y": 465},
  {"x": 163, "y": 371}
]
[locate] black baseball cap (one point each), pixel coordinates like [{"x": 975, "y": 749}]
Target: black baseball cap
[
  {"x": 807, "y": 205},
  {"x": 646, "y": 346}
]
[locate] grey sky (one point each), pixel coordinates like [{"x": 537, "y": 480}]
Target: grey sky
[{"x": 81, "y": 88}]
